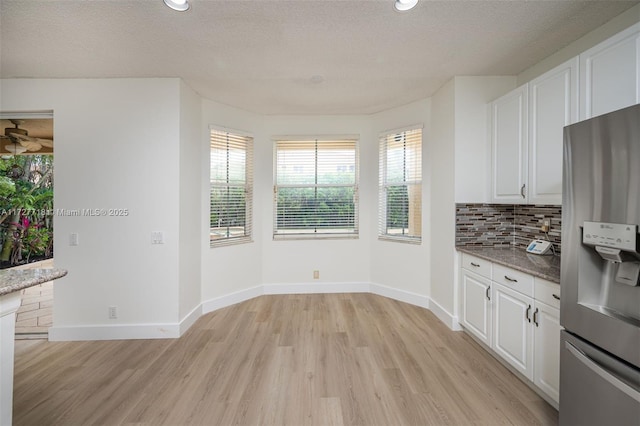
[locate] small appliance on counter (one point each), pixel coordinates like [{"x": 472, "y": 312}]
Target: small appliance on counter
[{"x": 540, "y": 247}]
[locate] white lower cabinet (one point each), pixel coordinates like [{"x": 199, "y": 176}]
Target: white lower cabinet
[
  {"x": 513, "y": 334},
  {"x": 476, "y": 305},
  {"x": 546, "y": 338},
  {"x": 517, "y": 316}
]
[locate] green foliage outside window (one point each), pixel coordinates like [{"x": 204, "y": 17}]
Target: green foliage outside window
[
  {"x": 316, "y": 208},
  {"x": 397, "y": 207},
  {"x": 26, "y": 208}
]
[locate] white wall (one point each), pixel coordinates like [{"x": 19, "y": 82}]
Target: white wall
[
  {"x": 472, "y": 134},
  {"x": 441, "y": 155},
  {"x": 116, "y": 146},
  {"x": 459, "y": 164},
  {"x": 400, "y": 266},
  {"x": 342, "y": 261},
  {"x": 190, "y": 294},
  {"x": 227, "y": 270},
  {"x": 142, "y": 144}
]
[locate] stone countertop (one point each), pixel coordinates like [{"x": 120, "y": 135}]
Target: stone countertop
[
  {"x": 12, "y": 280},
  {"x": 546, "y": 267}
]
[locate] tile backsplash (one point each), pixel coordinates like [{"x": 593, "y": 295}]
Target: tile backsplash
[
  {"x": 502, "y": 225},
  {"x": 484, "y": 225}
]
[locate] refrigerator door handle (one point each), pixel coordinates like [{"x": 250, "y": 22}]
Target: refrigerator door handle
[{"x": 600, "y": 371}]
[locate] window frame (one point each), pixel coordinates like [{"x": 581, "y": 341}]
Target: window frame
[
  {"x": 315, "y": 235},
  {"x": 248, "y": 140},
  {"x": 384, "y": 185}
]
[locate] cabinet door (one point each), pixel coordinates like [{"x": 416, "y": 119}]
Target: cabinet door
[
  {"x": 546, "y": 342},
  {"x": 552, "y": 105},
  {"x": 476, "y": 305},
  {"x": 509, "y": 147},
  {"x": 512, "y": 333},
  {"x": 610, "y": 74}
]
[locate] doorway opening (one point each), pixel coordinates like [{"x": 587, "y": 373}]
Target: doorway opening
[{"x": 26, "y": 212}]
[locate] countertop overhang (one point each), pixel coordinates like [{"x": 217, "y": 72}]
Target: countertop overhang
[
  {"x": 12, "y": 280},
  {"x": 546, "y": 267}
]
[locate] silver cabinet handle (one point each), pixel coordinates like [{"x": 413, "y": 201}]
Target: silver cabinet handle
[
  {"x": 600, "y": 371},
  {"x": 513, "y": 280},
  {"x": 522, "y": 190},
  {"x": 475, "y": 264},
  {"x": 555, "y": 296},
  {"x": 535, "y": 317},
  {"x": 488, "y": 297},
  {"x": 527, "y": 313}
]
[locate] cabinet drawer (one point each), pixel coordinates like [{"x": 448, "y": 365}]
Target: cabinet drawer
[
  {"x": 516, "y": 280},
  {"x": 475, "y": 264},
  {"x": 547, "y": 292}
]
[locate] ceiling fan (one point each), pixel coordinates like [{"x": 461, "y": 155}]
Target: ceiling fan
[{"x": 20, "y": 141}]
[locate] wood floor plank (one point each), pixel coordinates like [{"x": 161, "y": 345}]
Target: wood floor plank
[{"x": 317, "y": 359}]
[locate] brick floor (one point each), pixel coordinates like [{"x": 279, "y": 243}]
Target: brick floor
[{"x": 34, "y": 317}]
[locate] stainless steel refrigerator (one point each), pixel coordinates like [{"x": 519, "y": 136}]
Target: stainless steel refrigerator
[{"x": 600, "y": 268}]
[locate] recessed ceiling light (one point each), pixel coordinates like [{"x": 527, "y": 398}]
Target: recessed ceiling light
[
  {"x": 403, "y": 5},
  {"x": 179, "y": 5}
]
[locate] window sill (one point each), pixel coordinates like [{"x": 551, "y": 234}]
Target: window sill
[
  {"x": 230, "y": 242},
  {"x": 406, "y": 240},
  {"x": 289, "y": 237}
]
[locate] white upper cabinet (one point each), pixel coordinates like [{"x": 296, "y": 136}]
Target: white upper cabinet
[
  {"x": 527, "y": 123},
  {"x": 509, "y": 147},
  {"x": 610, "y": 74},
  {"x": 553, "y": 104},
  {"x": 527, "y": 133}
]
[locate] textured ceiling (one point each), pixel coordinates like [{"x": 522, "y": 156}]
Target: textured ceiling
[{"x": 292, "y": 57}]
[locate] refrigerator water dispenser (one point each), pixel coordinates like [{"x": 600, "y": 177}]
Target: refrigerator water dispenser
[{"x": 615, "y": 243}]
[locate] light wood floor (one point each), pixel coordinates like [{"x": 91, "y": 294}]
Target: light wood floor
[{"x": 340, "y": 359}]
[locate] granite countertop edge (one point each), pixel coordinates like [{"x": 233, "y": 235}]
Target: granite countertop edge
[
  {"x": 547, "y": 267},
  {"x": 12, "y": 280}
]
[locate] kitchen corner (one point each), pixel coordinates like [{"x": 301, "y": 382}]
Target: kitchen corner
[
  {"x": 509, "y": 299},
  {"x": 500, "y": 233}
]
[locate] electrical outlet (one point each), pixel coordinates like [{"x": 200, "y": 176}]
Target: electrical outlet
[
  {"x": 546, "y": 224},
  {"x": 157, "y": 237},
  {"x": 316, "y": 275},
  {"x": 113, "y": 312},
  {"x": 73, "y": 239}
]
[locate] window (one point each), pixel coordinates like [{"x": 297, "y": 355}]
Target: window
[
  {"x": 400, "y": 189},
  {"x": 231, "y": 187},
  {"x": 316, "y": 188}
]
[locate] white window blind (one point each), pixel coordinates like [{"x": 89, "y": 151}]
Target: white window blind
[
  {"x": 316, "y": 189},
  {"x": 231, "y": 188},
  {"x": 400, "y": 188}
]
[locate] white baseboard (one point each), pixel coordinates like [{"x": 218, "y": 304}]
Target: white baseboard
[
  {"x": 190, "y": 318},
  {"x": 400, "y": 295},
  {"x": 316, "y": 288},
  {"x": 231, "y": 299},
  {"x": 168, "y": 331},
  {"x": 114, "y": 332},
  {"x": 443, "y": 315}
]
